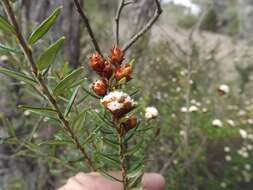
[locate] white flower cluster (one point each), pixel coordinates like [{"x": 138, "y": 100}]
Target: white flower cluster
[
  {"x": 151, "y": 112},
  {"x": 116, "y": 100}
]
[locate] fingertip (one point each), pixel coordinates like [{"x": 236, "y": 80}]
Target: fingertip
[{"x": 153, "y": 181}]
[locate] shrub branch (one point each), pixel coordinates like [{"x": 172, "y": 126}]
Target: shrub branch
[
  {"x": 87, "y": 24},
  {"x": 45, "y": 90},
  {"x": 151, "y": 22}
]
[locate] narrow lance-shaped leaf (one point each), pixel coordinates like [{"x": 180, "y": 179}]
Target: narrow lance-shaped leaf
[
  {"x": 18, "y": 75},
  {"x": 71, "y": 102},
  {"x": 8, "y": 49},
  {"x": 67, "y": 81},
  {"x": 9, "y": 126},
  {"x": 44, "y": 27},
  {"x": 6, "y": 26},
  {"x": 47, "y": 112},
  {"x": 47, "y": 58}
]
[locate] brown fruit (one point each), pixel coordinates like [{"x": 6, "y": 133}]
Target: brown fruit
[
  {"x": 99, "y": 87},
  {"x": 123, "y": 71},
  {"x": 117, "y": 56},
  {"x": 97, "y": 62},
  {"x": 108, "y": 70}
]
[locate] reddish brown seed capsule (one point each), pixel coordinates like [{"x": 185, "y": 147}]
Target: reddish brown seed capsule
[
  {"x": 99, "y": 87},
  {"x": 97, "y": 62},
  {"x": 117, "y": 56},
  {"x": 124, "y": 71},
  {"x": 130, "y": 123},
  {"x": 108, "y": 70}
]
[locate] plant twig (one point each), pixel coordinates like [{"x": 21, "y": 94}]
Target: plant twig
[
  {"x": 87, "y": 24},
  {"x": 139, "y": 34},
  {"x": 28, "y": 53},
  {"x": 122, "y": 152},
  {"x": 117, "y": 18}
]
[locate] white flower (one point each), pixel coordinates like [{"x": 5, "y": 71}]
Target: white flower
[
  {"x": 27, "y": 113},
  {"x": 151, "y": 112},
  {"x": 241, "y": 113},
  {"x": 223, "y": 89},
  {"x": 231, "y": 122},
  {"x": 4, "y": 58},
  {"x": 182, "y": 133},
  {"x": 249, "y": 147},
  {"x": 193, "y": 109},
  {"x": 250, "y": 121},
  {"x": 204, "y": 110},
  {"x": 243, "y": 133},
  {"x": 228, "y": 158},
  {"x": 247, "y": 167},
  {"x": 217, "y": 123},
  {"x": 184, "y": 109},
  {"x": 223, "y": 185},
  {"x": 226, "y": 149}
]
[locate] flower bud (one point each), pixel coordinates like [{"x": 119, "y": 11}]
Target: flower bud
[
  {"x": 99, "y": 87},
  {"x": 117, "y": 56},
  {"x": 97, "y": 62},
  {"x": 108, "y": 70},
  {"x": 130, "y": 123},
  {"x": 124, "y": 71}
]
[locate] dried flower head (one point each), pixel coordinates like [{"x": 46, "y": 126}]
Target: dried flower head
[
  {"x": 99, "y": 87},
  {"x": 151, "y": 112},
  {"x": 123, "y": 71},
  {"x": 118, "y": 103},
  {"x": 97, "y": 62},
  {"x": 117, "y": 56},
  {"x": 223, "y": 89}
]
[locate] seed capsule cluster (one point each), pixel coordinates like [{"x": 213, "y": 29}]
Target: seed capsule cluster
[{"x": 112, "y": 72}]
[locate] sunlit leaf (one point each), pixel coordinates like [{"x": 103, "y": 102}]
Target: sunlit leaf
[
  {"x": 54, "y": 142},
  {"x": 67, "y": 81},
  {"x": 47, "y": 58},
  {"x": 71, "y": 102},
  {"x": 47, "y": 112},
  {"x": 6, "y": 26},
  {"x": 44, "y": 27},
  {"x": 8, "y": 49},
  {"x": 18, "y": 75}
]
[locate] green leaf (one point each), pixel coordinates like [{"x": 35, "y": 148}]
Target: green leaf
[
  {"x": 47, "y": 112},
  {"x": 110, "y": 177},
  {"x": 134, "y": 149},
  {"x": 113, "y": 161},
  {"x": 54, "y": 142},
  {"x": 71, "y": 102},
  {"x": 44, "y": 27},
  {"x": 18, "y": 75},
  {"x": 67, "y": 81},
  {"x": 8, "y": 49},
  {"x": 135, "y": 171},
  {"x": 9, "y": 126},
  {"x": 6, "y": 26},
  {"x": 47, "y": 58},
  {"x": 132, "y": 62}
]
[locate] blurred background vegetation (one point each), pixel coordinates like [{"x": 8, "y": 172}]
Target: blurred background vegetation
[{"x": 195, "y": 47}]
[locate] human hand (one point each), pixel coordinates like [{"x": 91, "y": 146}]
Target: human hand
[{"x": 94, "y": 181}]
